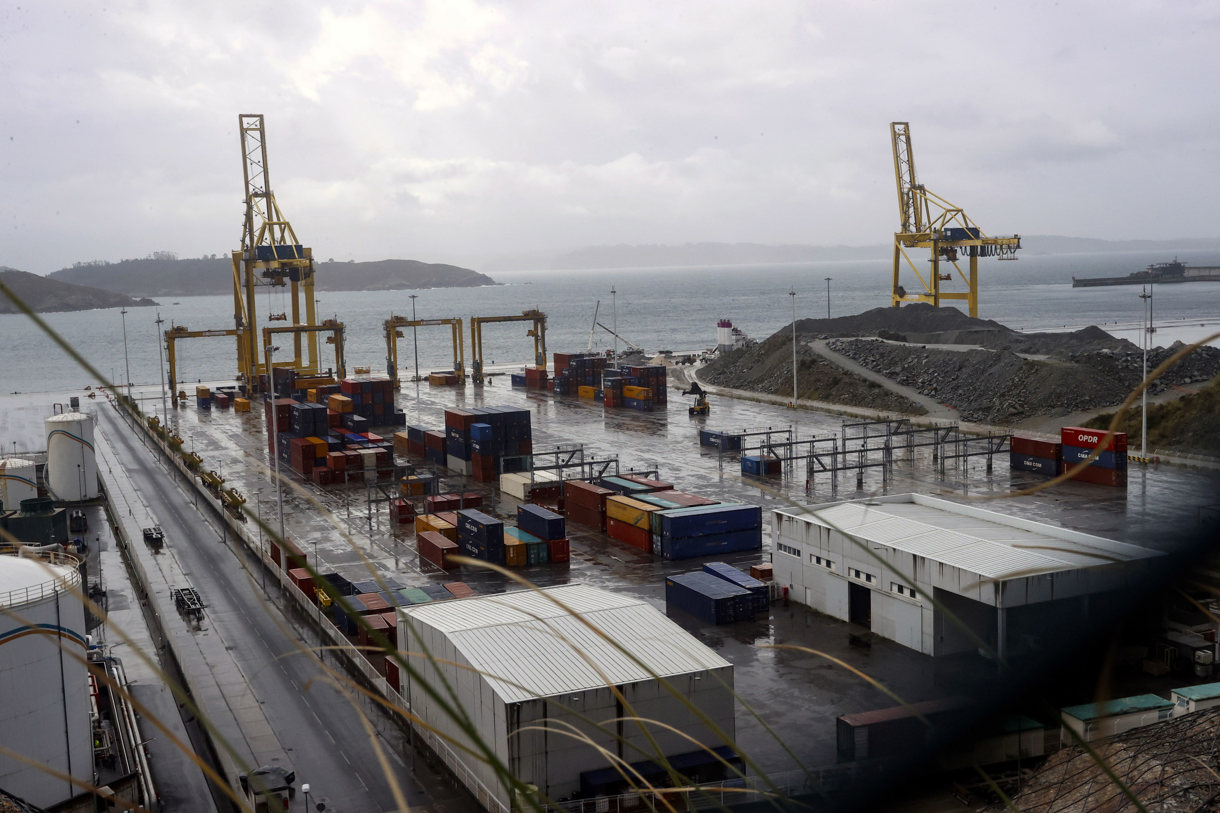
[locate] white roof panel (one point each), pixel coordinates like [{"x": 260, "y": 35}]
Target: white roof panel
[
  {"x": 990, "y": 544},
  {"x": 527, "y": 646}
]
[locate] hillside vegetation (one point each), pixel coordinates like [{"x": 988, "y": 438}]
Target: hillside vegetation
[
  {"x": 165, "y": 275},
  {"x": 1189, "y": 424},
  {"x": 44, "y": 295}
]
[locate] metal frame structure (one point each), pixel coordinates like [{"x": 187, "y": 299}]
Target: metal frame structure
[
  {"x": 929, "y": 221},
  {"x": 393, "y": 332},
  {"x": 296, "y": 331},
  {"x": 182, "y": 332},
  {"x": 270, "y": 254},
  {"x": 538, "y": 332}
]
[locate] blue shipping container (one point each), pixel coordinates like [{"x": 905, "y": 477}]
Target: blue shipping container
[
  {"x": 760, "y": 591},
  {"x": 712, "y": 600},
  {"x": 541, "y": 522},
  {"x": 1037, "y": 465},
  {"x": 704, "y": 520},
  {"x": 1105, "y": 460},
  {"x": 690, "y": 547}
]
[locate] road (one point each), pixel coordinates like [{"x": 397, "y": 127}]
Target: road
[{"x": 349, "y": 753}]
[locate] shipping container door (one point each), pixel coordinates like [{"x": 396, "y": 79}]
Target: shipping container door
[{"x": 860, "y": 605}]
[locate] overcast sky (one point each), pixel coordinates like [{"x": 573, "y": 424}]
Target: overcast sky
[{"x": 456, "y": 131}]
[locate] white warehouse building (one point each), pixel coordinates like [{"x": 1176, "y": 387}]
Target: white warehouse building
[
  {"x": 901, "y": 564},
  {"x": 538, "y": 670}
]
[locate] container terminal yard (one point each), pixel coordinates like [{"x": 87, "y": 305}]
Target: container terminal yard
[
  {"x": 570, "y": 587},
  {"x": 243, "y": 655}
]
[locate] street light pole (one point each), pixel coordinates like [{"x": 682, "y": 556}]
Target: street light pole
[
  {"x": 792, "y": 293},
  {"x": 258, "y": 511},
  {"x": 828, "y": 297},
  {"x": 161, "y": 359},
  {"x": 126, "y": 361},
  {"x": 414, "y": 337},
  {"x": 1147, "y": 297},
  {"x": 614, "y": 310},
  {"x": 275, "y": 440}
]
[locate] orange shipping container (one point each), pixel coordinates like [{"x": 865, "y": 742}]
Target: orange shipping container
[
  {"x": 340, "y": 403},
  {"x": 515, "y": 554},
  {"x": 631, "y": 512},
  {"x": 638, "y": 393}
]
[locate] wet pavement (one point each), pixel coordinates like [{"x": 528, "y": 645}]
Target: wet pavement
[{"x": 784, "y": 670}]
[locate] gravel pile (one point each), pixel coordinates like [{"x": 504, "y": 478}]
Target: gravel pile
[{"x": 994, "y": 375}]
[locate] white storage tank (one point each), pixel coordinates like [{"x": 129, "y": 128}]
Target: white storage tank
[
  {"x": 45, "y": 712},
  {"x": 71, "y": 458},
  {"x": 18, "y": 481}
]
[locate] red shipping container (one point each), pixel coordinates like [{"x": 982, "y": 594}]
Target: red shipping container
[
  {"x": 459, "y": 418},
  {"x": 372, "y": 623},
  {"x": 323, "y": 477},
  {"x": 652, "y": 485},
  {"x": 434, "y": 439},
  {"x": 448, "y": 516},
  {"x": 1093, "y": 439},
  {"x": 559, "y": 550},
  {"x": 1032, "y": 447},
  {"x": 640, "y": 538},
  {"x": 586, "y": 516},
  {"x": 304, "y": 582},
  {"x": 336, "y": 461},
  {"x": 1097, "y": 475},
  {"x": 460, "y": 589},
  {"x": 391, "y": 674},
  {"x": 436, "y": 548},
  {"x": 292, "y": 555},
  {"x": 391, "y": 634},
  {"x": 578, "y": 492},
  {"x": 370, "y": 603}
]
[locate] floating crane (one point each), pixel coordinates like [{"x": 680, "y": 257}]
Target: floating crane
[{"x": 929, "y": 221}]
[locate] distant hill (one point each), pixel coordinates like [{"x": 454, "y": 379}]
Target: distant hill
[
  {"x": 703, "y": 254},
  {"x": 44, "y": 295},
  {"x": 169, "y": 276}
]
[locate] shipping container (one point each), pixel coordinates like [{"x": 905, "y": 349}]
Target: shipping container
[
  {"x": 541, "y": 522},
  {"x": 1037, "y": 465},
  {"x": 709, "y": 519},
  {"x": 414, "y": 595},
  {"x": 690, "y": 547},
  {"x": 639, "y": 538},
  {"x": 899, "y": 730},
  {"x": 760, "y": 591},
  {"x": 515, "y": 554},
  {"x": 1097, "y": 475},
  {"x": 1032, "y": 447},
  {"x": 630, "y": 511},
  {"x": 558, "y": 550},
  {"x": 437, "y": 549},
  {"x": 1104, "y": 460},
  {"x": 763, "y": 571},
  {"x": 760, "y": 465},
  {"x": 1093, "y": 439},
  {"x": 460, "y": 589},
  {"x": 712, "y": 600}
]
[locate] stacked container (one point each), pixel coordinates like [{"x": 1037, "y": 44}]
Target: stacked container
[
  {"x": 203, "y": 397},
  {"x": 586, "y": 503},
  {"x": 757, "y": 589},
  {"x": 434, "y": 522},
  {"x": 372, "y": 400},
  {"x": 684, "y": 533},
  {"x": 480, "y": 536},
  {"x": 436, "y": 548},
  {"x": 711, "y": 599},
  {"x": 482, "y": 441},
  {"x": 1109, "y": 468},
  {"x": 1033, "y": 455},
  {"x": 549, "y": 527},
  {"x": 630, "y": 521}
]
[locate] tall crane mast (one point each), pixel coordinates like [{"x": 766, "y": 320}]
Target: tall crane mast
[
  {"x": 270, "y": 255},
  {"x": 929, "y": 221}
]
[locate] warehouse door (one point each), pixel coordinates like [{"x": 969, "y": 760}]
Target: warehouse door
[{"x": 860, "y": 605}]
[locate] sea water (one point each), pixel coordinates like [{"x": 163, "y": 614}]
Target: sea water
[{"x": 658, "y": 308}]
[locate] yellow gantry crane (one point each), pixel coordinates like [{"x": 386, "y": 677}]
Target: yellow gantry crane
[
  {"x": 929, "y": 221},
  {"x": 393, "y": 332},
  {"x": 538, "y": 332},
  {"x": 270, "y": 255}
]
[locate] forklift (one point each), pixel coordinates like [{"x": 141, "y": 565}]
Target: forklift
[{"x": 700, "y": 407}]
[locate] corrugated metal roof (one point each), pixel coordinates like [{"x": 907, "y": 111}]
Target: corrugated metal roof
[
  {"x": 987, "y": 543},
  {"x": 527, "y": 646},
  {"x": 1118, "y": 706}
]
